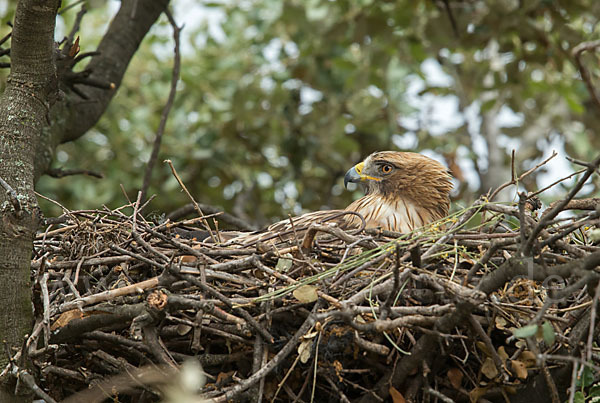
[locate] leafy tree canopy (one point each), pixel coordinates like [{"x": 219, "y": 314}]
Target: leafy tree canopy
[{"x": 278, "y": 98}]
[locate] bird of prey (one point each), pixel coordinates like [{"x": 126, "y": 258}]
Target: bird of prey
[{"x": 404, "y": 191}]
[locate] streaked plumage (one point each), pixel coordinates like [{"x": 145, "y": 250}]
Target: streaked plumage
[{"x": 404, "y": 191}]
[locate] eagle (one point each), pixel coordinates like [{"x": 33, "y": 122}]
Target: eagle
[{"x": 403, "y": 191}]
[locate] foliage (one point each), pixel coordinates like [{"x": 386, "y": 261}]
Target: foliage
[{"x": 271, "y": 112}]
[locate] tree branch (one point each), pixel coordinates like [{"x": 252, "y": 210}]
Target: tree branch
[
  {"x": 167, "y": 108},
  {"x": 585, "y": 75},
  {"x": 74, "y": 116}
]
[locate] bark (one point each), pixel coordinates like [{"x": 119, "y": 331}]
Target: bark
[
  {"x": 23, "y": 112},
  {"x": 34, "y": 119}
]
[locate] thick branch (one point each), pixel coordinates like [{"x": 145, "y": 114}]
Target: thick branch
[
  {"x": 117, "y": 48},
  {"x": 519, "y": 267},
  {"x": 75, "y": 116}
]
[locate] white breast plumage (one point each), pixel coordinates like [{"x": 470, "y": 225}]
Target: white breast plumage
[{"x": 398, "y": 215}]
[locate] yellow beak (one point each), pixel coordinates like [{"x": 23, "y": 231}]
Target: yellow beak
[{"x": 355, "y": 175}]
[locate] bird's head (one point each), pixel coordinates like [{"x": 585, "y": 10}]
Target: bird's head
[{"x": 404, "y": 175}]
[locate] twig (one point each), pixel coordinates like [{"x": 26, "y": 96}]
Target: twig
[
  {"x": 555, "y": 183},
  {"x": 523, "y": 225},
  {"x": 337, "y": 232},
  {"x": 342, "y": 396},
  {"x": 370, "y": 346},
  {"x": 396, "y": 288},
  {"x": 198, "y": 210},
  {"x": 281, "y": 355},
  {"x": 576, "y": 360},
  {"x": 70, "y": 6},
  {"x": 591, "y": 168},
  {"x": 167, "y": 108},
  {"x": 5, "y": 38},
  {"x": 475, "y": 208},
  {"x": 61, "y": 173},
  {"x": 29, "y": 381},
  {"x": 290, "y": 280},
  {"x": 208, "y": 209},
  {"x": 77, "y": 23},
  {"x": 251, "y": 321},
  {"x": 12, "y": 195},
  {"x": 585, "y": 75},
  {"x": 110, "y": 295},
  {"x": 64, "y": 209},
  {"x": 451, "y": 18},
  {"x": 521, "y": 177},
  {"x": 488, "y": 343},
  {"x": 437, "y": 394},
  {"x": 46, "y": 305},
  {"x": 590, "y": 339},
  {"x": 580, "y": 204}
]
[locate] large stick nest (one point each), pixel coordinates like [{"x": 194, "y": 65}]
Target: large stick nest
[{"x": 492, "y": 304}]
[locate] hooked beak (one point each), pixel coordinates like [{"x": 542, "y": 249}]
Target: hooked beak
[{"x": 354, "y": 174}]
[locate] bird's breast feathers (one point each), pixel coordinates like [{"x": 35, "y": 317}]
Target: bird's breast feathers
[{"x": 396, "y": 215}]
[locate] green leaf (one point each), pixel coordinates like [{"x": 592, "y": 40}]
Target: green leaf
[
  {"x": 284, "y": 263},
  {"x": 548, "y": 333},
  {"x": 579, "y": 397},
  {"x": 575, "y": 104},
  {"x": 595, "y": 391},
  {"x": 586, "y": 378},
  {"x": 526, "y": 331}
]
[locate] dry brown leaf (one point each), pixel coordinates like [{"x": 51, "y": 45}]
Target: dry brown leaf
[
  {"x": 188, "y": 259},
  {"x": 483, "y": 348},
  {"x": 501, "y": 323},
  {"x": 224, "y": 377},
  {"x": 306, "y": 293},
  {"x": 476, "y": 394},
  {"x": 338, "y": 367},
  {"x": 259, "y": 274},
  {"x": 455, "y": 376},
  {"x": 502, "y": 353},
  {"x": 528, "y": 358},
  {"x": 489, "y": 369},
  {"x": 519, "y": 368},
  {"x": 304, "y": 350},
  {"x": 360, "y": 319},
  {"x": 521, "y": 343},
  {"x": 396, "y": 396},
  {"x": 182, "y": 329}
]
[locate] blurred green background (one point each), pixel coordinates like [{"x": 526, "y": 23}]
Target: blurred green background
[{"x": 277, "y": 99}]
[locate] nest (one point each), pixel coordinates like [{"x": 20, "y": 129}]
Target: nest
[{"x": 492, "y": 302}]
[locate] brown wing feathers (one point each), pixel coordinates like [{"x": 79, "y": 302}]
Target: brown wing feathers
[{"x": 295, "y": 227}]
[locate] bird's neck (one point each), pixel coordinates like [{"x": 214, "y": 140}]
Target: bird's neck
[{"x": 392, "y": 214}]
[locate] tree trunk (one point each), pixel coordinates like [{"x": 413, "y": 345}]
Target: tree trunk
[
  {"x": 33, "y": 121},
  {"x": 23, "y": 112}
]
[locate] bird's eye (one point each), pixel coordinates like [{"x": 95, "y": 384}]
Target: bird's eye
[{"x": 386, "y": 168}]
